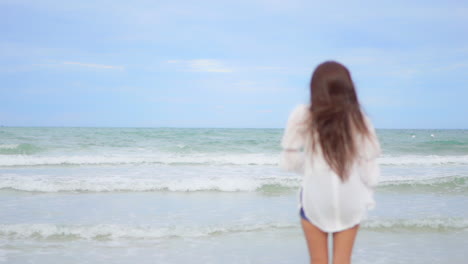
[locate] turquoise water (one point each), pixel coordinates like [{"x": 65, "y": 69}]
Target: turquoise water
[
  {"x": 170, "y": 195},
  {"x": 28, "y": 141}
]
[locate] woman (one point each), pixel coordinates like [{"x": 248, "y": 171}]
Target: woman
[{"x": 333, "y": 144}]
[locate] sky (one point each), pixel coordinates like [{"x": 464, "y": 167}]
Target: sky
[{"x": 243, "y": 63}]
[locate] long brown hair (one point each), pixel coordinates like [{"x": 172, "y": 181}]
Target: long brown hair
[{"x": 336, "y": 116}]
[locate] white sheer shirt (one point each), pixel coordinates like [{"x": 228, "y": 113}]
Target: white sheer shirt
[{"x": 329, "y": 203}]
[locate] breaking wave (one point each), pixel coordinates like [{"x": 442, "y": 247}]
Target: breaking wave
[
  {"x": 112, "y": 231},
  {"x": 205, "y": 159}
]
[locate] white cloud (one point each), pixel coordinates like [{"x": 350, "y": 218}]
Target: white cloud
[
  {"x": 202, "y": 65},
  {"x": 95, "y": 66},
  {"x": 269, "y": 68},
  {"x": 251, "y": 86}
]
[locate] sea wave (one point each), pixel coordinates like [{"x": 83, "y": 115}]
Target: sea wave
[
  {"x": 168, "y": 159},
  {"x": 261, "y": 159},
  {"x": 446, "y": 185},
  {"x": 423, "y": 160},
  {"x": 227, "y": 183},
  {"x": 114, "y": 231},
  {"x": 8, "y": 146},
  {"x": 427, "y": 224},
  {"x": 129, "y": 184},
  {"x": 111, "y": 231},
  {"x": 19, "y": 149}
]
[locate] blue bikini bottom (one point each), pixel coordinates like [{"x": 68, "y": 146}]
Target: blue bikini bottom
[
  {"x": 303, "y": 216},
  {"x": 301, "y": 213}
]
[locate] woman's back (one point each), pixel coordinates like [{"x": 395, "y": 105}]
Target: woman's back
[{"x": 329, "y": 202}]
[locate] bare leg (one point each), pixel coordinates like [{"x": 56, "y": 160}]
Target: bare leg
[
  {"x": 343, "y": 245},
  {"x": 317, "y": 243}
]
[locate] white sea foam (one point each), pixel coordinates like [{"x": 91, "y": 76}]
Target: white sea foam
[
  {"x": 118, "y": 183},
  {"x": 204, "y": 180},
  {"x": 423, "y": 160},
  {"x": 8, "y": 146},
  {"x": 207, "y": 159},
  {"x": 433, "y": 224},
  {"x": 431, "y": 181},
  {"x": 172, "y": 159},
  {"x": 112, "y": 231}
]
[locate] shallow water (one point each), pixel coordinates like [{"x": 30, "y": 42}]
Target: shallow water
[{"x": 120, "y": 195}]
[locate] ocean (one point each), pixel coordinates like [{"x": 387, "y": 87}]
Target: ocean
[{"x": 200, "y": 195}]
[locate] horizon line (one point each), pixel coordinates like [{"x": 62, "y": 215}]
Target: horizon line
[{"x": 205, "y": 127}]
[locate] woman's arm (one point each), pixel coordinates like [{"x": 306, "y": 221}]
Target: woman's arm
[
  {"x": 292, "y": 156},
  {"x": 371, "y": 170}
]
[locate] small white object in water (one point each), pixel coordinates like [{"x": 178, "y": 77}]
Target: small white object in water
[
  {"x": 432, "y": 135},
  {"x": 413, "y": 136}
]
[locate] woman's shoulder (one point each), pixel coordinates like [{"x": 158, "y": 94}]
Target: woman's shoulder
[
  {"x": 368, "y": 122},
  {"x": 300, "y": 112},
  {"x": 302, "y": 107},
  {"x": 371, "y": 145}
]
